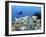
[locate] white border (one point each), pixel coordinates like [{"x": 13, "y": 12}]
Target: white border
[{"x": 24, "y": 32}]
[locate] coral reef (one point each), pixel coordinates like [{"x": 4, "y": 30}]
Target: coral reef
[{"x": 27, "y": 23}]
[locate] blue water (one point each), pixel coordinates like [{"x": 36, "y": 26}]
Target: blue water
[{"x": 19, "y": 11}]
